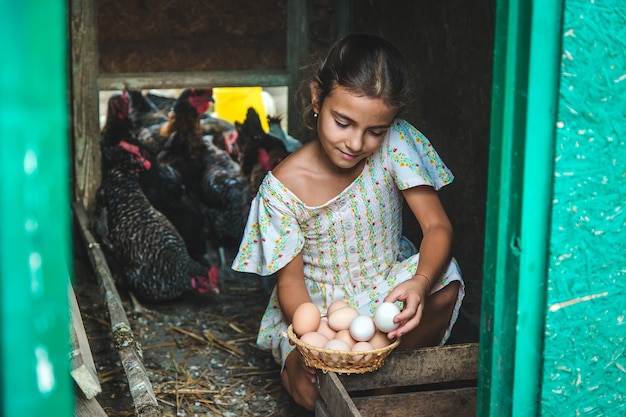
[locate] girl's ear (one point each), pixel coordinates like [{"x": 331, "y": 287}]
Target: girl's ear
[{"x": 315, "y": 96}]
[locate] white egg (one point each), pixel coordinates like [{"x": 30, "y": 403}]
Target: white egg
[
  {"x": 362, "y": 328},
  {"x": 383, "y": 318}
]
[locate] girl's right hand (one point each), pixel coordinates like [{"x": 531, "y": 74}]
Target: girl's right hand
[{"x": 412, "y": 294}]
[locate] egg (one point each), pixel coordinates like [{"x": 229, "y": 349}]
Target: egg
[
  {"x": 362, "y": 328},
  {"x": 306, "y": 318},
  {"x": 336, "y": 305},
  {"x": 362, "y": 347},
  {"x": 383, "y": 317},
  {"x": 341, "y": 318},
  {"x": 345, "y": 336},
  {"x": 379, "y": 340},
  {"x": 336, "y": 344},
  {"x": 314, "y": 339},
  {"x": 326, "y": 330}
]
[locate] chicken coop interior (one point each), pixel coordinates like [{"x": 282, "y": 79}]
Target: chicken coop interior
[{"x": 165, "y": 46}]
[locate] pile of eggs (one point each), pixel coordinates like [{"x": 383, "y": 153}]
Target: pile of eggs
[{"x": 343, "y": 328}]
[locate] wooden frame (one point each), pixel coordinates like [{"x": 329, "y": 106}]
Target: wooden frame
[{"x": 86, "y": 83}]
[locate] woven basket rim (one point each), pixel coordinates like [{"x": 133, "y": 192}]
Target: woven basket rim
[{"x": 378, "y": 354}]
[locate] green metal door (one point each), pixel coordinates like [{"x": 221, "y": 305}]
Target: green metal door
[{"x": 34, "y": 210}]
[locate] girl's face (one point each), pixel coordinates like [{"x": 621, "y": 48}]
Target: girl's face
[{"x": 351, "y": 127}]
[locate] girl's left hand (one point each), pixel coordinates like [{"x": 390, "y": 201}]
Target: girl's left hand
[{"x": 412, "y": 294}]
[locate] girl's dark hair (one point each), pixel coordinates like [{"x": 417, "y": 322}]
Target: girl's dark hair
[{"x": 364, "y": 64}]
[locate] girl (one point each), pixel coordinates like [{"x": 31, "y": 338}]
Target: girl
[{"x": 328, "y": 220}]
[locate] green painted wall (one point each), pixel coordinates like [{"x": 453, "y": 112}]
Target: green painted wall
[{"x": 584, "y": 364}]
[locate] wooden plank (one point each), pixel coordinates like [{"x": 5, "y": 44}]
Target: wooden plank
[
  {"x": 459, "y": 402},
  {"x": 419, "y": 366},
  {"x": 84, "y": 100},
  {"x": 164, "y": 80},
  {"x": 335, "y": 396},
  {"x": 84, "y": 407},
  {"x": 144, "y": 400},
  {"x": 321, "y": 409},
  {"x": 83, "y": 368}
]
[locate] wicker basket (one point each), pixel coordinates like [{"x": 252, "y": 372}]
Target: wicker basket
[{"x": 340, "y": 361}]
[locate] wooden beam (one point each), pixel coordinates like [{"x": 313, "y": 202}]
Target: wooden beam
[
  {"x": 335, "y": 396},
  {"x": 84, "y": 100},
  {"x": 128, "y": 348},
  {"x": 165, "y": 80},
  {"x": 298, "y": 54},
  {"x": 459, "y": 402},
  {"x": 84, "y": 407},
  {"x": 83, "y": 368},
  {"x": 419, "y": 367}
]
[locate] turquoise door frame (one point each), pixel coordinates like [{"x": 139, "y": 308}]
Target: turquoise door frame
[
  {"x": 524, "y": 100},
  {"x": 34, "y": 210}
]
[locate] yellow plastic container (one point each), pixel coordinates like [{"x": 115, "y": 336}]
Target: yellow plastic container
[{"x": 232, "y": 103}]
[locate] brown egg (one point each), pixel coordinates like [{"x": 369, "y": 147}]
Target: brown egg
[
  {"x": 379, "y": 340},
  {"x": 326, "y": 330},
  {"x": 362, "y": 347},
  {"x": 344, "y": 335},
  {"x": 336, "y": 305},
  {"x": 314, "y": 339},
  {"x": 335, "y": 344},
  {"x": 306, "y": 318},
  {"x": 341, "y": 318}
]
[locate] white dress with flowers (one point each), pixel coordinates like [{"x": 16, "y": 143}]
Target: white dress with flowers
[{"x": 351, "y": 244}]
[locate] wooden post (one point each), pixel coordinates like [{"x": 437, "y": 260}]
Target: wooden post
[{"x": 84, "y": 100}]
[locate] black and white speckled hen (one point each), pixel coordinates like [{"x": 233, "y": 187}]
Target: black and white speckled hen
[
  {"x": 161, "y": 184},
  {"x": 226, "y": 198},
  {"x": 147, "y": 253}
]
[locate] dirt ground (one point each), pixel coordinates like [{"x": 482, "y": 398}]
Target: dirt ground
[{"x": 200, "y": 355}]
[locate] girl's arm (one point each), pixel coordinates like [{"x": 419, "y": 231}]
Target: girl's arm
[
  {"x": 291, "y": 288},
  {"x": 434, "y": 256}
]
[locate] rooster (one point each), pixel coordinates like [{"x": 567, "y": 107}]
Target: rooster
[{"x": 148, "y": 254}]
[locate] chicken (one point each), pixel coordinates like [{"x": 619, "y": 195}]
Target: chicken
[
  {"x": 148, "y": 254},
  {"x": 143, "y": 112},
  {"x": 259, "y": 151},
  {"x": 161, "y": 184},
  {"x": 117, "y": 127},
  {"x": 184, "y": 149},
  {"x": 226, "y": 199},
  {"x": 276, "y": 130}
]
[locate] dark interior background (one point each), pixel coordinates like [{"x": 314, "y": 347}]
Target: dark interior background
[{"x": 448, "y": 42}]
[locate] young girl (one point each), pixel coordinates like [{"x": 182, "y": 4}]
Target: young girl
[{"x": 328, "y": 220}]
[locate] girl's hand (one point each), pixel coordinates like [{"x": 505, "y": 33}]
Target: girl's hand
[{"x": 412, "y": 294}]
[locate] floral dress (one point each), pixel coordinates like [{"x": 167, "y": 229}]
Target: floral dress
[{"x": 351, "y": 244}]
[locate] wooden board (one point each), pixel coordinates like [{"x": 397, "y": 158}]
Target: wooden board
[
  {"x": 419, "y": 367},
  {"x": 84, "y": 407},
  {"x": 83, "y": 368},
  {"x": 434, "y": 382},
  {"x": 458, "y": 402}
]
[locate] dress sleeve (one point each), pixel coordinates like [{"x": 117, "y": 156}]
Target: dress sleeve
[
  {"x": 413, "y": 160},
  {"x": 272, "y": 237}
]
